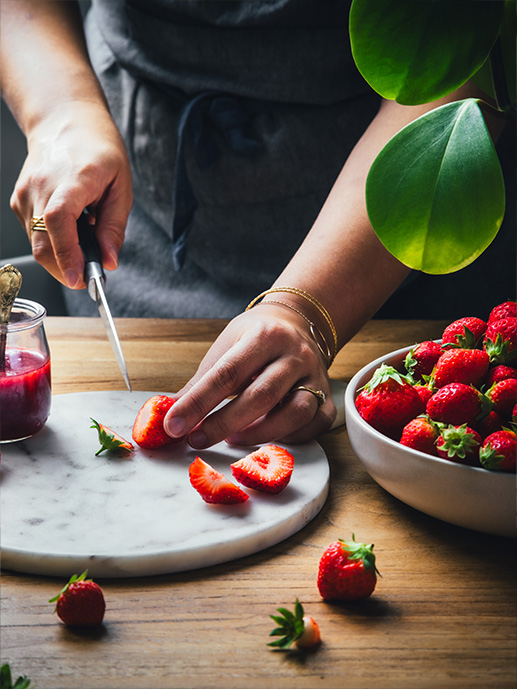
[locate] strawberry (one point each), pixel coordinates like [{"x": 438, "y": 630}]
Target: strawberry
[
  {"x": 507, "y": 308},
  {"x": 6, "y": 679},
  {"x": 347, "y": 571},
  {"x": 489, "y": 424},
  {"x": 501, "y": 341},
  {"x": 500, "y": 372},
  {"x": 465, "y": 332},
  {"x": 213, "y": 486},
  {"x": 81, "y": 602},
  {"x": 295, "y": 628},
  {"x": 499, "y": 451},
  {"x": 148, "y": 431},
  {"x": 421, "y": 434},
  {"x": 111, "y": 441},
  {"x": 424, "y": 392},
  {"x": 468, "y": 366},
  {"x": 459, "y": 444},
  {"x": 503, "y": 395},
  {"x": 456, "y": 404},
  {"x": 268, "y": 469},
  {"x": 388, "y": 402},
  {"x": 421, "y": 359}
]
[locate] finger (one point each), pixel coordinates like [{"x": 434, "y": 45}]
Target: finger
[
  {"x": 111, "y": 218},
  {"x": 299, "y": 419}
]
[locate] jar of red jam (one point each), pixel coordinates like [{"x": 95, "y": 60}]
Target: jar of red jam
[{"x": 25, "y": 387}]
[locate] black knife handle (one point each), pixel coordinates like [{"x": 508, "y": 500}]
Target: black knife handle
[{"x": 89, "y": 246}]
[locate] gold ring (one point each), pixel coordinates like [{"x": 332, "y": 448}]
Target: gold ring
[
  {"x": 37, "y": 225},
  {"x": 318, "y": 393}
]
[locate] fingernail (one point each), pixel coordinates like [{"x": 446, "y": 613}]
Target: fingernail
[
  {"x": 72, "y": 278},
  {"x": 198, "y": 439},
  {"x": 175, "y": 427},
  {"x": 113, "y": 254}
]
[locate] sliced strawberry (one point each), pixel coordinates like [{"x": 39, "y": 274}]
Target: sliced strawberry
[
  {"x": 111, "y": 441},
  {"x": 213, "y": 486},
  {"x": 268, "y": 469},
  {"x": 148, "y": 431}
]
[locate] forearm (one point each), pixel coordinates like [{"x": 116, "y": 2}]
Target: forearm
[{"x": 44, "y": 61}]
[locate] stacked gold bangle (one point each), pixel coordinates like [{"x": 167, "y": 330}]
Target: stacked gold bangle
[{"x": 327, "y": 353}]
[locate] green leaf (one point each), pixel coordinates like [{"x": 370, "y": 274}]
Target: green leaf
[
  {"x": 435, "y": 193},
  {"x": 418, "y": 51}
]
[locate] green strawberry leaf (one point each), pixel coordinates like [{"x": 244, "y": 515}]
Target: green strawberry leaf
[
  {"x": 6, "y": 681},
  {"x": 403, "y": 52},
  {"x": 73, "y": 579},
  {"x": 458, "y": 441},
  {"x": 290, "y": 626},
  {"x": 108, "y": 440},
  {"x": 360, "y": 551},
  {"x": 435, "y": 193},
  {"x": 382, "y": 375}
]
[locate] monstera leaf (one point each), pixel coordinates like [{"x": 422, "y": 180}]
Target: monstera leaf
[
  {"x": 435, "y": 194},
  {"x": 416, "y": 51}
]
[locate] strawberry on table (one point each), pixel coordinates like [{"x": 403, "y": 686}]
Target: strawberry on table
[
  {"x": 500, "y": 341},
  {"x": 468, "y": 366},
  {"x": 347, "y": 571},
  {"x": 111, "y": 441},
  {"x": 296, "y": 628},
  {"x": 499, "y": 451},
  {"x": 388, "y": 401},
  {"x": 459, "y": 444},
  {"x": 148, "y": 431},
  {"x": 268, "y": 469},
  {"x": 456, "y": 404},
  {"x": 81, "y": 602},
  {"x": 465, "y": 332},
  {"x": 421, "y": 359},
  {"x": 213, "y": 486},
  {"x": 421, "y": 434},
  {"x": 507, "y": 308}
]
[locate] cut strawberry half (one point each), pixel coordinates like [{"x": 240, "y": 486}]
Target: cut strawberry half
[
  {"x": 148, "y": 431},
  {"x": 268, "y": 469},
  {"x": 213, "y": 486}
]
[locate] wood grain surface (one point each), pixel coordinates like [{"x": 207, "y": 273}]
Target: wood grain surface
[{"x": 443, "y": 615}]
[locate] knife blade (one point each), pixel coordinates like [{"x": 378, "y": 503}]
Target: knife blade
[{"x": 95, "y": 281}]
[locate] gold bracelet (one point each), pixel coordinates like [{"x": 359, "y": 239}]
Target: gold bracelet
[
  {"x": 312, "y": 327},
  {"x": 312, "y": 300}
]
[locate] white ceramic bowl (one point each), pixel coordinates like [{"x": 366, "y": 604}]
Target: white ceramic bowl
[{"x": 471, "y": 497}]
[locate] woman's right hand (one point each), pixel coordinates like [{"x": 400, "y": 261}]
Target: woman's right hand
[{"x": 76, "y": 160}]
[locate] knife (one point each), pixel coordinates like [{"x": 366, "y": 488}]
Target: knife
[{"x": 95, "y": 280}]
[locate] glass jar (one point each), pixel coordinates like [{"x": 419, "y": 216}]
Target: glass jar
[{"x": 25, "y": 387}]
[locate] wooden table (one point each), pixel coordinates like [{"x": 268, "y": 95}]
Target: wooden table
[{"x": 443, "y": 614}]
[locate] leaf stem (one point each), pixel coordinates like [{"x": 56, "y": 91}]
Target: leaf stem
[{"x": 502, "y": 96}]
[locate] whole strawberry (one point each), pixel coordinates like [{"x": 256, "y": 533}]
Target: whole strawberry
[
  {"x": 347, "y": 571},
  {"x": 504, "y": 310},
  {"x": 499, "y": 451},
  {"x": 503, "y": 396},
  {"x": 80, "y": 603},
  {"x": 465, "y": 332},
  {"x": 500, "y": 372},
  {"x": 421, "y": 359},
  {"x": 501, "y": 341},
  {"x": 459, "y": 444},
  {"x": 424, "y": 392},
  {"x": 421, "y": 434},
  {"x": 468, "y": 366},
  {"x": 388, "y": 402},
  {"x": 456, "y": 404},
  {"x": 490, "y": 423}
]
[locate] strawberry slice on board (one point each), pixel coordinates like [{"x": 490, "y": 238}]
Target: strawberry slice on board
[
  {"x": 268, "y": 469},
  {"x": 213, "y": 486},
  {"x": 111, "y": 441},
  {"x": 148, "y": 431}
]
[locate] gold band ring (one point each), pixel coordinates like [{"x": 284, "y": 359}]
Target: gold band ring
[
  {"x": 37, "y": 225},
  {"x": 318, "y": 393}
]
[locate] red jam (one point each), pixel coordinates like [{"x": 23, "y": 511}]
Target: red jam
[{"x": 25, "y": 393}]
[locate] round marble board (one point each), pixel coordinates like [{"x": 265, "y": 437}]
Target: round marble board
[{"x": 65, "y": 510}]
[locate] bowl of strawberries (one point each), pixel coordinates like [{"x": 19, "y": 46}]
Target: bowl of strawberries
[{"x": 435, "y": 423}]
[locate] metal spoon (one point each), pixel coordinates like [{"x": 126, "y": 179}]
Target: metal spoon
[{"x": 10, "y": 283}]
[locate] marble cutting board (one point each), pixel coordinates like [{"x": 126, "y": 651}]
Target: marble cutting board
[{"x": 65, "y": 510}]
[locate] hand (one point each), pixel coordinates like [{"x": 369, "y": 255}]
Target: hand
[
  {"x": 76, "y": 159},
  {"x": 258, "y": 359}
]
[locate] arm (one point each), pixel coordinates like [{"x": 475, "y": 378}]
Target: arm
[
  {"x": 76, "y": 157},
  {"x": 267, "y": 351}
]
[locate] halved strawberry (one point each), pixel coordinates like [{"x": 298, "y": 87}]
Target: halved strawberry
[
  {"x": 213, "y": 486},
  {"x": 148, "y": 431},
  {"x": 268, "y": 469},
  {"x": 111, "y": 441}
]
